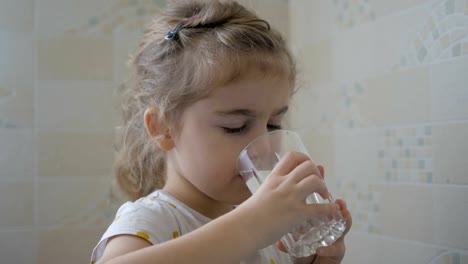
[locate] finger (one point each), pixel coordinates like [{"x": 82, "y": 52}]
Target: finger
[
  {"x": 325, "y": 209},
  {"x": 304, "y": 169},
  {"x": 346, "y": 215},
  {"x": 322, "y": 171},
  {"x": 313, "y": 184},
  {"x": 289, "y": 161},
  {"x": 336, "y": 250},
  {"x": 281, "y": 247}
]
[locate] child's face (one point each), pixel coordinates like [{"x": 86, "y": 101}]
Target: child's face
[{"x": 214, "y": 130}]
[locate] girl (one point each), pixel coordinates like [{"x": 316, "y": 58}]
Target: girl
[{"x": 209, "y": 78}]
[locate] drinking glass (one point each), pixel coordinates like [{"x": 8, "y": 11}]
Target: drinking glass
[{"x": 255, "y": 163}]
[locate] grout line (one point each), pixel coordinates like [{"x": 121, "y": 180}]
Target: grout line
[
  {"x": 413, "y": 242},
  {"x": 383, "y": 127},
  {"x": 35, "y": 166},
  {"x": 17, "y": 229},
  {"x": 432, "y": 185}
]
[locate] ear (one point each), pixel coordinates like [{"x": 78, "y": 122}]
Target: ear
[{"x": 153, "y": 126}]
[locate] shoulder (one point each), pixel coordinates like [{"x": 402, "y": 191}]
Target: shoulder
[{"x": 152, "y": 218}]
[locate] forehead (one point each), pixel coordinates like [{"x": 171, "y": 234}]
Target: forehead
[
  {"x": 260, "y": 94},
  {"x": 228, "y": 68}
]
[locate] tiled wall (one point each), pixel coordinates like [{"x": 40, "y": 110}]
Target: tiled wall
[
  {"x": 60, "y": 62},
  {"x": 384, "y": 106}
]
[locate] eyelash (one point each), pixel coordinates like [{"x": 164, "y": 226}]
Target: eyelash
[{"x": 243, "y": 128}]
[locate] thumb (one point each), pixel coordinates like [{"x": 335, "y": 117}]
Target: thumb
[{"x": 322, "y": 171}]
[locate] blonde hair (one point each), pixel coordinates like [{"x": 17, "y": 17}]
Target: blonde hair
[{"x": 219, "y": 41}]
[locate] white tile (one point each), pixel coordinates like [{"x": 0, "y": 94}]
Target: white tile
[
  {"x": 377, "y": 47},
  {"x": 450, "y": 216},
  {"x": 393, "y": 36},
  {"x": 362, "y": 248},
  {"x": 383, "y": 7},
  {"x": 16, "y": 15},
  {"x": 17, "y": 247},
  {"x": 16, "y": 153},
  {"x": 16, "y": 65},
  {"x": 449, "y": 84},
  {"x": 16, "y": 204},
  {"x": 365, "y": 248},
  {"x": 450, "y": 153}
]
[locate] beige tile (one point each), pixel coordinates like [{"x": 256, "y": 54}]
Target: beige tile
[
  {"x": 450, "y": 152},
  {"x": 450, "y": 216},
  {"x": 76, "y": 107},
  {"x": 75, "y": 154},
  {"x": 320, "y": 145},
  {"x": 73, "y": 246},
  {"x": 356, "y": 155},
  {"x": 402, "y": 97},
  {"x": 353, "y": 53},
  {"x": 72, "y": 15},
  {"x": 74, "y": 203},
  {"x": 17, "y": 15},
  {"x": 315, "y": 62},
  {"x": 89, "y": 17},
  {"x": 16, "y": 154},
  {"x": 125, "y": 44},
  {"x": 407, "y": 212},
  {"x": 449, "y": 90},
  {"x": 17, "y": 246},
  {"x": 310, "y": 21},
  {"x": 273, "y": 11},
  {"x": 314, "y": 106},
  {"x": 71, "y": 57},
  {"x": 16, "y": 204}
]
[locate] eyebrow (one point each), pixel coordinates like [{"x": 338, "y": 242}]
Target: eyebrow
[{"x": 250, "y": 113}]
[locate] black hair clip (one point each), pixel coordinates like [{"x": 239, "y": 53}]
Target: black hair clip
[{"x": 171, "y": 34}]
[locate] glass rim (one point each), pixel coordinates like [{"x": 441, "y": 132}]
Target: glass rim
[{"x": 269, "y": 133}]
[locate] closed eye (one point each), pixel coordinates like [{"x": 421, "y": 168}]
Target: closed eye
[
  {"x": 235, "y": 130},
  {"x": 273, "y": 127}
]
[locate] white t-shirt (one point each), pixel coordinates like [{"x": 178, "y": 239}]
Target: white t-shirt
[{"x": 159, "y": 217}]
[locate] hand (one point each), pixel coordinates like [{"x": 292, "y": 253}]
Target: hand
[
  {"x": 334, "y": 253},
  {"x": 279, "y": 203}
]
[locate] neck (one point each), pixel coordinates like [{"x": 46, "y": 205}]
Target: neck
[{"x": 187, "y": 193}]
